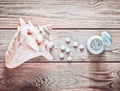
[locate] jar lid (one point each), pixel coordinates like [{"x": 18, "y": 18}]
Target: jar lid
[{"x": 106, "y": 38}]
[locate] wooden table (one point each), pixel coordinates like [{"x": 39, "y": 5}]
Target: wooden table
[{"x": 78, "y": 19}]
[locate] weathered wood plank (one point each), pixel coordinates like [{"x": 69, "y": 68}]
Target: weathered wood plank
[
  {"x": 62, "y": 13},
  {"x": 111, "y": 53},
  {"x": 61, "y": 77}
]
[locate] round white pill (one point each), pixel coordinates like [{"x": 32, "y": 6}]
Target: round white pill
[
  {"x": 61, "y": 56},
  {"x": 75, "y": 44},
  {"x": 68, "y": 39},
  {"x": 63, "y": 47},
  {"x": 81, "y": 47},
  {"x": 67, "y": 50},
  {"x": 69, "y": 58}
]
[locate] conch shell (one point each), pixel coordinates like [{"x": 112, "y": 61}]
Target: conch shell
[{"x": 29, "y": 42}]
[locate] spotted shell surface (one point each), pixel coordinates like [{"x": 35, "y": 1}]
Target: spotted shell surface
[{"x": 29, "y": 42}]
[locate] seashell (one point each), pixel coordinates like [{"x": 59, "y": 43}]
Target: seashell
[
  {"x": 81, "y": 47},
  {"x": 67, "y": 50},
  {"x": 69, "y": 58},
  {"x": 29, "y": 42},
  {"x": 75, "y": 44},
  {"x": 62, "y": 47},
  {"x": 68, "y": 39},
  {"x": 61, "y": 56}
]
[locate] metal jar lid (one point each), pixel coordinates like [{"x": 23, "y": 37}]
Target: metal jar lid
[
  {"x": 106, "y": 38},
  {"x": 96, "y": 44}
]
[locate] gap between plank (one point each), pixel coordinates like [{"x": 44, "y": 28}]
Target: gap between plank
[
  {"x": 71, "y": 28},
  {"x": 79, "y": 62},
  {"x": 73, "y": 62}
]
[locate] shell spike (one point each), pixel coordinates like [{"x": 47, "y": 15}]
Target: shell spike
[
  {"x": 49, "y": 26},
  {"x": 21, "y": 22},
  {"x": 30, "y": 23}
]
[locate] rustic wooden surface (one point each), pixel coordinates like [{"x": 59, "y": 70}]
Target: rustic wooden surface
[
  {"x": 111, "y": 53},
  {"x": 62, "y": 13},
  {"x": 61, "y": 77},
  {"x": 83, "y": 18}
]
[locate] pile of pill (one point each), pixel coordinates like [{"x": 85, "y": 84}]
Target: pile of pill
[{"x": 67, "y": 50}]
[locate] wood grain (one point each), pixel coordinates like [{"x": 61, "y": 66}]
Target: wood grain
[
  {"x": 78, "y": 19},
  {"x": 62, "y": 13},
  {"x": 61, "y": 77},
  {"x": 111, "y": 53}
]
